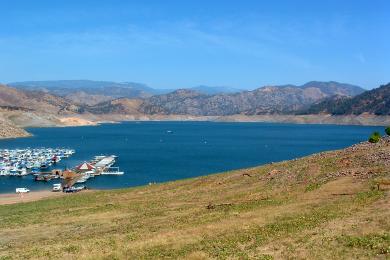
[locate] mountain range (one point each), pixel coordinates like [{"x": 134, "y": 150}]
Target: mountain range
[
  {"x": 265, "y": 100},
  {"x": 110, "y": 97},
  {"x": 93, "y": 92},
  {"x": 51, "y": 103},
  {"x": 87, "y": 91},
  {"x": 39, "y": 101}
]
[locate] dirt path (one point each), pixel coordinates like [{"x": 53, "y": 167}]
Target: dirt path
[{"x": 12, "y": 198}]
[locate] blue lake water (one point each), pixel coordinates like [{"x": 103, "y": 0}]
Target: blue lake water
[{"x": 148, "y": 152}]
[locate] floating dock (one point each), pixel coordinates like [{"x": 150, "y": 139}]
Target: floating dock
[{"x": 100, "y": 165}]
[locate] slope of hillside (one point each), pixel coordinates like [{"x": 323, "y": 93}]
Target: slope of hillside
[
  {"x": 74, "y": 89},
  {"x": 122, "y": 106},
  {"x": 9, "y": 130},
  {"x": 222, "y": 100},
  {"x": 324, "y": 206},
  {"x": 376, "y": 101},
  {"x": 83, "y": 98},
  {"x": 25, "y": 108},
  {"x": 335, "y": 88},
  {"x": 35, "y": 100},
  {"x": 265, "y": 100}
]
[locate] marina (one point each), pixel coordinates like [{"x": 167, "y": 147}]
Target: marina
[
  {"x": 20, "y": 162},
  {"x": 40, "y": 163}
]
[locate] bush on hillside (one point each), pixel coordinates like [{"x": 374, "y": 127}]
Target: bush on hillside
[
  {"x": 375, "y": 137},
  {"x": 387, "y": 130}
]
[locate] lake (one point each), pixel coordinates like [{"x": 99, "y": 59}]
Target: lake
[{"x": 165, "y": 151}]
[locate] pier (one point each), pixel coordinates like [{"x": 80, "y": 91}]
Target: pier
[{"x": 100, "y": 165}]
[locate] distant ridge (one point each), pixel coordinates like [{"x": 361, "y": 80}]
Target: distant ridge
[
  {"x": 79, "y": 90},
  {"x": 215, "y": 90},
  {"x": 375, "y": 101},
  {"x": 265, "y": 100},
  {"x": 36, "y": 101},
  {"x": 102, "y": 91},
  {"x": 105, "y": 97}
]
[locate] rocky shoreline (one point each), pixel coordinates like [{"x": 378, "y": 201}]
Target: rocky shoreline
[
  {"x": 12, "y": 124},
  {"x": 369, "y": 120},
  {"x": 14, "y": 128},
  {"x": 9, "y": 130}
]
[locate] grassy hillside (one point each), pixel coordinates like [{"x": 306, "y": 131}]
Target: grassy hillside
[{"x": 322, "y": 206}]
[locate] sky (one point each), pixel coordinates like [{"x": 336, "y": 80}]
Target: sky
[{"x": 175, "y": 44}]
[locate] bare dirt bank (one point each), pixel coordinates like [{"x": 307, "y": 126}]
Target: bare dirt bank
[
  {"x": 12, "y": 198},
  {"x": 10, "y": 130},
  {"x": 311, "y": 119},
  {"x": 13, "y": 122},
  {"x": 294, "y": 119}
]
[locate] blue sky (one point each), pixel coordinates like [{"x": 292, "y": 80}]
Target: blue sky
[{"x": 174, "y": 44}]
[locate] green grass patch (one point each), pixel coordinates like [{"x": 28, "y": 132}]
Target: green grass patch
[
  {"x": 377, "y": 243},
  {"x": 312, "y": 186}
]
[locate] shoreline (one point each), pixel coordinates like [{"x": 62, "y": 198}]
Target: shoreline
[
  {"x": 16, "y": 198},
  {"x": 93, "y": 120},
  {"x": 363, "y": 120}
]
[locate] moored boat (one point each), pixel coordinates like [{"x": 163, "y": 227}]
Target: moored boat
[{"x": 112, "y": 171}]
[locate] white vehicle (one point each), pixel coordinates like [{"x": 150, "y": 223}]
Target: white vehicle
[
  {"x": 57, "y": 187},
  {"x": 22, "y": 190}
]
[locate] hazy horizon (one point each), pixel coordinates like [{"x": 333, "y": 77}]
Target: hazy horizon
[{"x": 184, "y": 87}]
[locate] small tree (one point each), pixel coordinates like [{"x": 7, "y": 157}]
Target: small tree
[
  {"x": 387, "y": 130},
  {"x": 375, "y": 137}
]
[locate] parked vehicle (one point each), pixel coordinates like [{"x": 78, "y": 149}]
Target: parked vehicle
[
  {"x": 22, "y": 190},
  {"x": 74, "y": 189},
  {"x": 57, "y": 187}
]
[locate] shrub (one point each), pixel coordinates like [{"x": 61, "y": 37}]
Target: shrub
[
  {"x": 375, "y": 137},
  {"x": 387, "y": 130}
]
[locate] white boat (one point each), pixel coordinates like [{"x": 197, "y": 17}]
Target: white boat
[
  {"x": 81, "y": 180},
  {"x": 112, "y": 171},
  {"x": 22, "y": 172},
  {"x": 91, "y": 173}
]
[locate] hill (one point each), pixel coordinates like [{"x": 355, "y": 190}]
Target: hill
[
  {"x": 35, "y": 100},
  {"x": 265, "y": 100},
  {"x": 88, "y": 91},
  {"x": 121, "y": 89},
  {"x": 324, "y": 206},
  {"x": 122, "y": 106},
  {"x": 332, "y": 88},
  {"x": 27, "y": 108},
  {"x": 9, "y": 130},
  {"x": 376, "y": 101}
]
